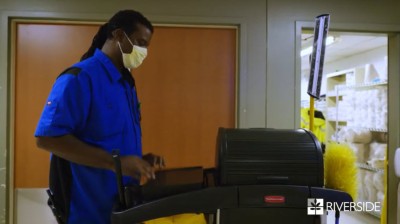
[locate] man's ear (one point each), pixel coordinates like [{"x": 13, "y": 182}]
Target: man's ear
[{"x": 118, "y": 34}]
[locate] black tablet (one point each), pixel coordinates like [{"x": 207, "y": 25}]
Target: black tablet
[{"x": 173, "y": 181}]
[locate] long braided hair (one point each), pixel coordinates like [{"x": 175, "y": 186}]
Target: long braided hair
[{"x": 127, "y": 20}]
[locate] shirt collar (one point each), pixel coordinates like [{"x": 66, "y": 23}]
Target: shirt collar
[{"x": 112, "y": 71}]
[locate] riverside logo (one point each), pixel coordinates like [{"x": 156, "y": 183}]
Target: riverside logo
[{"x": 315, "y": 206}]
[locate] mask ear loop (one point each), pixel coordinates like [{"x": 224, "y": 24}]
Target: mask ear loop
[
  {"x": 133, "y": 45},
  {"x": 128, "y": 39},
  {"x": 119, "y": 45}
]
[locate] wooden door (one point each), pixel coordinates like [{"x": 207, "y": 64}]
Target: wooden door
[
  {"x": 186, "y": 87},
  {"x": 42, "y": 52}
]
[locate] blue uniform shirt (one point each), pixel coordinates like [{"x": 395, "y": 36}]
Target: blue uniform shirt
[{"x": 101, "y": 108}]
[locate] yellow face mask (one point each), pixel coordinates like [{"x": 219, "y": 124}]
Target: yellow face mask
[{"x": 135, "y": 58}]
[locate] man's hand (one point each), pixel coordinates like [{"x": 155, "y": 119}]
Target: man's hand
[
  {"x": 154, "y": 160},
  {"x": 136, "y": 167}
]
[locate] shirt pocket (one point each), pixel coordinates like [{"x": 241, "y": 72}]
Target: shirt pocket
[{"x": 108, "y": 120}]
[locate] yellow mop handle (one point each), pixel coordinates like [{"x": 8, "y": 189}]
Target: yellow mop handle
[
  {"x": 384, "y": 206},
  {"x": 311, "y": 114}
]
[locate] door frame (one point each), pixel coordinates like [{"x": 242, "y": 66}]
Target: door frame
[{"x": 393, "y": 33}]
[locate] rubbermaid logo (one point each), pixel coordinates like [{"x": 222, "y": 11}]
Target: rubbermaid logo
[{"x": 315, "y": 206}]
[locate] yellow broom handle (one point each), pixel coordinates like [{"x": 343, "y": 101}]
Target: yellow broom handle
[{"x": 311, "y": 114}]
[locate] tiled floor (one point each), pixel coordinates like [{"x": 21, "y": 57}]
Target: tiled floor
[{"x": 31, "y": 207}]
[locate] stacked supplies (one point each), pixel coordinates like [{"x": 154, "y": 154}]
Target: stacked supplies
[
  {"x": 373, "y": 187},
  {"x": 366, "y": 108},
  {"x": 369, "y": 149}
]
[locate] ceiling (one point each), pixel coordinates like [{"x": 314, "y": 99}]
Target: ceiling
[{"x": 345, "y": 45}]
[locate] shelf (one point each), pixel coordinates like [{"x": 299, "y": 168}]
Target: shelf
[
  {"x": 334, "y": 94},
  {"x": 365, "y": 128},
  {"x": 334, "y": 120},
  {"x": 375, "y": 129},
  {"x": 338, "y": 95},
  {"x": 339, "y": 73},
  {"x": 330, "y": 93},
  {"x": 364, "y": 85},
  {"x": 368, "y": 167},
  {"x": 376, "y": 214}
]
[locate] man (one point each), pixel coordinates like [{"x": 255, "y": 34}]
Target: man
[{"x": 93, "y": 109}]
